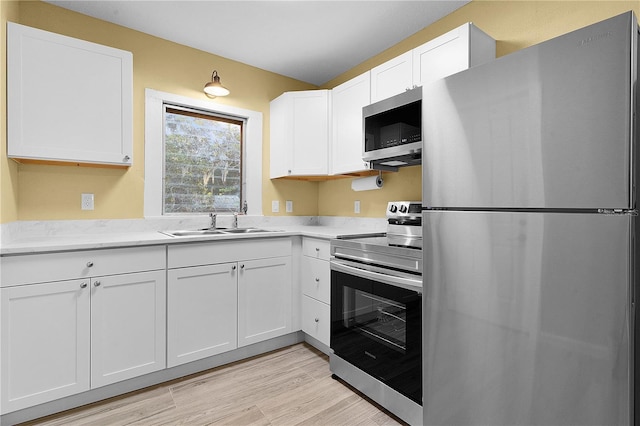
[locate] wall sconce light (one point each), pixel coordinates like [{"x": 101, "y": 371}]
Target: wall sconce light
[{"x": 214, "y": 88}]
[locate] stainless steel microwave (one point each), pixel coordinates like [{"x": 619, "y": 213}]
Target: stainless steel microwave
[{"x": 392, "y": 130}]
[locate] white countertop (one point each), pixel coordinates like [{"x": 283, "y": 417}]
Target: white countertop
[{"x": 66, "y": 237}]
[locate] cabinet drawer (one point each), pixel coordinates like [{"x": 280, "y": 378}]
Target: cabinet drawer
[
  {"x": 316, "y": 319},
  {"x": 209, "y": 253},
  {"x": 317, "y": 248},
  {"x": 37, "y": 268},
  {"x": 316, "y": 279}
]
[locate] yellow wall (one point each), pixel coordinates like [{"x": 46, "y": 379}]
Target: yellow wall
[
  {"x": 43, "y": 192},
  {"x": 37, "y": 192},
  {"x": 514, "y": 25}
]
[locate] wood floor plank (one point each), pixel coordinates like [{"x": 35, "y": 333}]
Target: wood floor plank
[
  {"x": 114, "y": 411},
  {"x": 290, "y": 386},
  {"x": 305, "y": 402}
]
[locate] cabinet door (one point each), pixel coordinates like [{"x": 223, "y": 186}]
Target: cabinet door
[
  {"x": 56, "y": 111},
  {"x": 264, "y": 299},
  {"x": 452, "y": 52},
  {"x": 128, "y": 329},
  {"x": 202, "y": 312},
  {"x": 391, "y": 78},
  {"x": 280, "y": 137},
  {"x": 300, "y": 134},
  {"x": 310, "y": 144},
  {"x": 44, "y": 341},
  {"x": 347, "y": 101},
  {"x": 442, "y": 56}
]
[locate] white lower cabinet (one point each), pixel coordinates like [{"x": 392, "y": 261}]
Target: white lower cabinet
[
  {"x": 225, "y": 295},
  {"x": 64, "y": 337},
  {"x": 45, "y": 343},
  {"x": 128, "y": 333},
  {"x": 316, "y": 289},
  {"x": 264, "y": 299},
  {"x": 202, "y": 312}
]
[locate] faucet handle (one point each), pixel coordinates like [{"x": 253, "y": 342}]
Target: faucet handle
[{"x": 213, "y": 217}]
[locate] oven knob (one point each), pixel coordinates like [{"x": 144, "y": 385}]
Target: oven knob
[
  {"x": 403, "y": 209},
  {"x": 393, "y": 208}
]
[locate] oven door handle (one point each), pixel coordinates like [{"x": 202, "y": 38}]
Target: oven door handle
[{"x": 414, "y": 284}]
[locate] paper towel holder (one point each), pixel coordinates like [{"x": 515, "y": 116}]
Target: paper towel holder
[{"x": 367, "y": 183}]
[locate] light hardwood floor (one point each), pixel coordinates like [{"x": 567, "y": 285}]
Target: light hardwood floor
[{"x": 289, "y": 386}]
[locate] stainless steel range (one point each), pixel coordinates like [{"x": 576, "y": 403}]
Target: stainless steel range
[{"x": 376, "y": 312}]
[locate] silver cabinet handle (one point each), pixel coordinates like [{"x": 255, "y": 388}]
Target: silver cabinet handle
[
  {"x": 317, "y": 320},
  {"x": 96, "y": 284},
  {"x": 317, "y": 248},
  {"x": 89, "y": 264},
  {"x": 317, "y": 280},
  {"x": 83, "y": 285},
  {"x": 233, "y": 267},
  {"x": 127, "y": 158},
  {"x": 242, "y": 266}
]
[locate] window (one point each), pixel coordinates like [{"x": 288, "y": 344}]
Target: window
[
  {"x": 154, "y": 129},
  {"x": 202, "y": 161}
]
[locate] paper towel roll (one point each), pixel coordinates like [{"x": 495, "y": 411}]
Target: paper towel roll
[{"x": 367, "y": 183}]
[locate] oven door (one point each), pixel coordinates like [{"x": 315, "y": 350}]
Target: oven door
[{"x": 377, "y": 326}]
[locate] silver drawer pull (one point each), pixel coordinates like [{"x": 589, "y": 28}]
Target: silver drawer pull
[
  {"x": 317, "y": 320},
  {"x": 83, "y": 285},
  {"x": 89, "y": 264},
  {"x": 233, "y": 268},
  {"x": 317, "y": 280},
  {"x": 96, "y": 284}
]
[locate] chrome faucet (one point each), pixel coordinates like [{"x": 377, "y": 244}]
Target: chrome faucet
[
  {"x": 213, "y": 220},
  {"x": 235, "y": 219}
]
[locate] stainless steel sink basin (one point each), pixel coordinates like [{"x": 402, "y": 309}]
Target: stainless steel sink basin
[
  {"x": 214, "y": 231},
  {"x": 245, "y": 230},
  {"x": 194, "y": 232}
]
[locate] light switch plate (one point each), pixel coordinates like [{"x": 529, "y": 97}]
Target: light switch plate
[
  {"x": 289, "y": 206},
  {"x": 356, "y": 206},
  {"x": 275, "y": 206}
]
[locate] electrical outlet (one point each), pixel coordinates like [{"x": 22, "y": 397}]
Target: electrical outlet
[
  {"x": 356, "y": 206},
  {"x": 289, "y": 206},
  {"x": 275, "y": 206},
  {"x": 87, "y": 202}
]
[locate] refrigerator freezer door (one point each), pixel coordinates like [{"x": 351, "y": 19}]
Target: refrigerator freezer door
[
  {"x": 546, "y": 127},
  {"x": 526, "y": 318}
]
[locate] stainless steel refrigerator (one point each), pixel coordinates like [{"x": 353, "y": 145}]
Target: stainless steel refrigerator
[{"x": 529, "y": 233}]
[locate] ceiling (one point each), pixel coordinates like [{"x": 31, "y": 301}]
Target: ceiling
[{"x": 311, "y": 41}]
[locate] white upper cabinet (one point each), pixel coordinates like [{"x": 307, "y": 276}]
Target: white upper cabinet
[
  {"x": 393, "y": 77},
  {"x": 299, "y": 137},
  {"x": 347, "y": 101},
  {"x": 68, "y": 100},
  {"x": 454, "y": 51}
]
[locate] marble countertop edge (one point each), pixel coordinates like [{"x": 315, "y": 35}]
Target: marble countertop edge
[{"x": 64, "y": 238}]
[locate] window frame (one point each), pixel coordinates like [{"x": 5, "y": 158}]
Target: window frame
[
  {"x": 154, "y": 150},
  {"x": 169, "y": 108}
]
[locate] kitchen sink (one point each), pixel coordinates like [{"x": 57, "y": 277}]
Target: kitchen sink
[
  {"x": 192, "y": 233},
  {"x": 214, "y": 231},
  {"x": 245, "y": 230}
]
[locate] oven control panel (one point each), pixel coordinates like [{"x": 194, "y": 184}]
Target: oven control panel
[{"x": 404, "y": 209}]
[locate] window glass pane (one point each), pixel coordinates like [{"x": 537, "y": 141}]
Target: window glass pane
[{"x": 202, "y": 164}]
